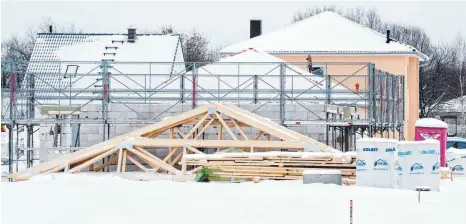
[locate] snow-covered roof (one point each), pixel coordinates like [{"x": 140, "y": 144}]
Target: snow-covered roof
[
  {"x": 454, "y": 105},
  {"x": 430, "y": 123},
  {"x": 325, "y": 33},
  {"x": 57, "y": 57},
  {"x": 241, "y": 69}
]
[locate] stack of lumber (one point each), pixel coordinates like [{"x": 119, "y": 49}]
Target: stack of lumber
[{"x": 273, "y": 165}]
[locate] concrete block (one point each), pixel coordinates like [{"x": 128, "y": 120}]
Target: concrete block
[{"x": 324, "y": 176}]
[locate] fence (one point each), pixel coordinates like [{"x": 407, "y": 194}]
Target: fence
[{"x": 107, "y": 93}]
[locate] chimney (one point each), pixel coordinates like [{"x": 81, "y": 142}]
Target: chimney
[
  {"x": 131, "y": 35},
  {"x": 388, "y": 37},
  {"x": 255, "y": 28},
  {"x": 50, "y": 29}
]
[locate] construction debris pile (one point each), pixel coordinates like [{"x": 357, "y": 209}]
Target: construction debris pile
[{"x": 273, "y": 165}]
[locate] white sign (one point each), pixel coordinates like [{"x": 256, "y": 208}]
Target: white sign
[
  {"x": 375, "y": 164},
  {"x": 419, "y": 164}
]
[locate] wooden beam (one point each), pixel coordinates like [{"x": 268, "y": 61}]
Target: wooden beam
[
  {"x": 109, "y": 162},
  {"x": 97, "y": 149},
  {"x": 120, "y": 158},
  {"x": 172, "y": 136},
  {"x": 220, "y": 134},
  {"x": 54, "y": 170},
  {"x": 226, "y": 126},
  {"x": 180, "y": 133},
  {"x": 123, "y": 168},
  {"x": 268, "y": 126},
  {"x": 194, "y": 150},
  {"x": 204, "y": 129},
  {"x": 143, "y": 168},
  {"x": 259, "y": 134},
  {"x": 178, "y": 157},
  {"x": 153, "y": 159},
  {"x": 197, "y": 126},
  {"x": 239, "y": 129},
  {"x": 93, "y": 160},
  {"x": 229, "y": 123},
  {"x": 268, "y": 139},
  {"x": 146, "y": 142}
]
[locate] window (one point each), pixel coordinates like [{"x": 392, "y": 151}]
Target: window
[
  {"x": 461, "y": 145},
  {"x": 71, "y": 71}
]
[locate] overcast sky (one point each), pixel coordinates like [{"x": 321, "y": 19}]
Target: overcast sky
[{"x": 223, "y": 22}]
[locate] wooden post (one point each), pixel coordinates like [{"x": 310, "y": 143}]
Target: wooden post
[
  {"x": 220, "y": 133},
  {"x": 172, "y": 136},
  {"x": 268, "y": 139},
  {"x": 123, "y": 168},
  {"x": 120, "y": 158}
]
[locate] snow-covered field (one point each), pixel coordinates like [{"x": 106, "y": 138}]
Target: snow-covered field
[{"x": 81, "y": 198}]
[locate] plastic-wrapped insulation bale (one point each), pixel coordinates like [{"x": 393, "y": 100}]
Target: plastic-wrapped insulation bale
[
  {"x": 456, "y": 160},
  {"x": 375, "y": 163},
  {"x": 419, "y": 164}
]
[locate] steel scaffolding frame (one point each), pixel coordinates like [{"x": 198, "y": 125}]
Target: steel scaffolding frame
[{"x": 379, "y": 94}]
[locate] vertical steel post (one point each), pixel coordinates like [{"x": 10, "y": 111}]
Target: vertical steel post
[
  {"x": 194, "y": 85},
  {"x": 387, "y": 102},
  {"x": 282, "y": 93},
  {"x": 237, "y": 95},
  {"x": 31, "y": 115},
  {"x": 182, "y": 88},
  {"x": 403, "y": 107},
  {"x": 381, "y": 111},
  {"x": 327, "y": 101},
  {"x": 105, "y": 97},
  {"x": 327, "y": 126},
  {"x": 255, "y": 86},
  {"x": 393, "y": 78},
  {"x": 372, "y": 99},
  {"x": 12, "y": 119}
]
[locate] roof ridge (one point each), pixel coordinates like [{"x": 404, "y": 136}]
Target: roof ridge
[{"x": 365, "y": 27}]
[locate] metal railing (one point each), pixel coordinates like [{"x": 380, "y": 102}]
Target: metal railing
[{"x": 110, "y": 93}]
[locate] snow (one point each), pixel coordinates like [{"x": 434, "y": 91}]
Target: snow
[
  {"x": 80, "y": 198},
  {"x": 454, "y": 105},
  {"x": 321, "y": 171},
  {"x": 85, "y": 52},
  {"x": 430, "y": 123},
  {"x": 325, "y": 32}
]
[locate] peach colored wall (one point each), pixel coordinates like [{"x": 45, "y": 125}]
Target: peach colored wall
[{"x": 396, "y": 64}]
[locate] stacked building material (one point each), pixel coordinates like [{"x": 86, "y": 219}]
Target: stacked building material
[{"x": 273, "y": 165}]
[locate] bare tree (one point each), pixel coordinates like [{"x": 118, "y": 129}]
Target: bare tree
[
  {"x": 434, "y": 76},
  {"x": 372, "y": 20},
  {"x": 195, "y": 45},
  {"x": 458, "y": 86},
  {"x": 312, "y": 11}
]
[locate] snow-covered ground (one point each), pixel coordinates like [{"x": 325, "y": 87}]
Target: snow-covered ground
[{"x": 81, "y": 198}]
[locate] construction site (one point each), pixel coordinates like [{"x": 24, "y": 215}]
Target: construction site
[
  {"x": 64, "y": 106},
  {"x": 285, "y": 126}
]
